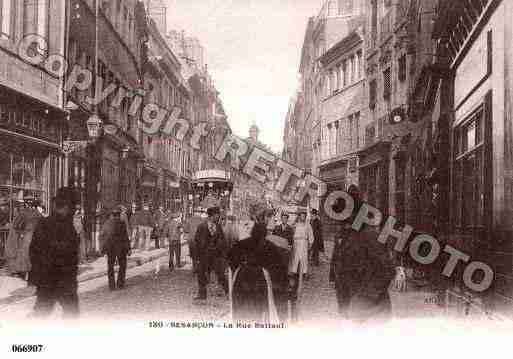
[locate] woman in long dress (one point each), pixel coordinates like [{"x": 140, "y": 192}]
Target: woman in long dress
[
  {"x": 18, "y": 241},
  {"x": 303, "y": 238}
]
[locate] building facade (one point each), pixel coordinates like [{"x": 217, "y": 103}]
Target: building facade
[
  {"x": 32, "y": 119},
  {"x": 109, "y": 42},
  {"x": 472, "y": 113}
]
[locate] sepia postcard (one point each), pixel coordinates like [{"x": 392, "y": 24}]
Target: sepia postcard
[{"x": 183, "y": 175}]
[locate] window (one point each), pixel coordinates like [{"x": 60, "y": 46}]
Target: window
[
  {"x": 356, "y": 128},
  {"x": 339, "y": 84},
  {"x": 401, "y": 75},
  {"x": 372, "y": 94},
  {"x": 468, "y": 191},
  {"x": 345, "y": 7},
  {"x": 374, "y": 22},
  {"x": 370, "y": 134},
  {"x": 360, "y": 64},
  {"x": 35, "y": 17},
  {"x": 344, "y": 68},
  {"x": 400, "y": 175},
  {"x": 332, "y": 8},
  {"x": 386, "y": 84},
  {"x": 6, "y": 18}
]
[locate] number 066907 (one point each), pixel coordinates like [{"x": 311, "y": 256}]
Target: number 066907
[{"x": 27, "y": 348}]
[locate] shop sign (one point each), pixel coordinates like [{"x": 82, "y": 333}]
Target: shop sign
[
  {"x": 212, "y": 174},
  {"x": 73, "y": 146}
]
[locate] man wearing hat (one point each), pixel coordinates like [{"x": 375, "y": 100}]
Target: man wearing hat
[
  {"x": 54, "y": 258},
  {"x": 172, "y": 231},
  {"x": 208, "y": 243},
  {"x": 116, "y": 245},
  {"x": 318, "y": 242},
  {"x": 284, "y": 230}
]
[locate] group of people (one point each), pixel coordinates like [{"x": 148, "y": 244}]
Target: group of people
[
  {"x": 263, "y": 270},
  {"x": 215, "y": 246}
]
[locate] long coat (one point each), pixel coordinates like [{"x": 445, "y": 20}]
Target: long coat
[
  {"x": 54, "y": 253},
  {"x": 114, "y": 237},
  {"x": 285, "y": 231},
  {"x": 317, "y": 233},
  {"x": 367, "y": 268},
  {"x": 203, "y": 240},
  {"x": 250, "y": 290},
  {"x": 19, "y": 239}
]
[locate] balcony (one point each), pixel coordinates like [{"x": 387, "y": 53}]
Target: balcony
[{"x": 385, "y": 27}]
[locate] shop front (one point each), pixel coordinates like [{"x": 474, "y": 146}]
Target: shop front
[{"x": 30, "y": 161}]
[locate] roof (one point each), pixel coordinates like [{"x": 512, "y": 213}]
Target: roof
[{"x": 344, "y": 45}]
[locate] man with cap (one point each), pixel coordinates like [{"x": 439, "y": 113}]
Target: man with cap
[
  {"x": 172, "y": 231},
  {"x": 284, "y": 230},
  {"x": 54, "y": 257},
  {"x": 208, "y": 240},
  {"x": 116, "y": 245},
  {"x": 318, "y": 242}
]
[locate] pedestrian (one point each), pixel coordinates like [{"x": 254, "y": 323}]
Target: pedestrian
[
  {"x": 54, "y": 258},
  {"x": 284, "y": 230},
  {"x": 78, "y": 222},
  {"x": 252, "y": 288},
  {"x": 302, "y": 241},
  {"x": 116, "y": 246},
  {"x": 342, "y": 284},
  {"x": 318, "y": 242},
  {"x": 172, "y": 230},
  {"x": 143, "y": 222},
  {"x": 20, "y": 237},
  {"x": 160, "y": 220},
  {"x": 208, "y": 241},
  {"x": 364, "y": 270}
]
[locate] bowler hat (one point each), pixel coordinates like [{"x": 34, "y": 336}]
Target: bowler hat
[{"x": 211, "y": 211}]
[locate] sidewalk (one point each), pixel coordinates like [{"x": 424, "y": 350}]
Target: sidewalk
[{"x": 14, "y": 289}]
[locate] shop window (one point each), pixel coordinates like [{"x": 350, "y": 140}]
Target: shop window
[{"x": 468, "y": 190}]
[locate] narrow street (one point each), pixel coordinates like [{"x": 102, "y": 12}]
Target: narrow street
[
  {"x": 154, "y": 293},
  {"x": 168, "y": 296}
]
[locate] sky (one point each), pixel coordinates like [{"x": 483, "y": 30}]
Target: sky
[{"x": 253, "y": 50}]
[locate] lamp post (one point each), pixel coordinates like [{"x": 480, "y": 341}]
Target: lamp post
[{"x": 94, "y": 130}]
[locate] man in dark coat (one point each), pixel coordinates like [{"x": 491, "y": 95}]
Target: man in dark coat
[
  {"x": 250, "y": 296},
  {"x": 318, "y": 243},
  {"x": 116, "y": 245},
  {"x": 54, "y": 258},
  {"x": 363, "y": 271},
  {"x": 284, "y": 230},
  {"x": 209, "y": 239}
]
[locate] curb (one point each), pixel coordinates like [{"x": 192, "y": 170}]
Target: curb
[{"x": 135, "y": 262}]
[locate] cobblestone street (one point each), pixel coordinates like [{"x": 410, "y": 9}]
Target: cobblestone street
[{"x": 153, "y": 294}]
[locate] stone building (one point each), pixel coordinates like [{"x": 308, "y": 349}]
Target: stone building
[
  {"x": 32, "y": 119},
  {"x": 109, "y": 41},
  {"x": 472, "y": 119}
]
